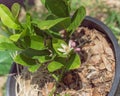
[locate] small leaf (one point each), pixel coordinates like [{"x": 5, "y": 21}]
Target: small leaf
[
  {"x": 15, "y": 10},
  {"x": 73, "y": 62},
  {"x": 53, "y": 66},
  {"x": 77, "y": 19},
  {"x": 57, "y": 7},
  {"x": 7, "y": 17},
  {"x": 24, "y": 60},
  {"x": 15, "y": 37},
  {"x": 34, "y": 68}
]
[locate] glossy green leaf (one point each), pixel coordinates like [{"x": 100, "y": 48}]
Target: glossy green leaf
[
  {"x": 57, "y": 7},
  {"x": 7, "y": 17},
  {"x": 25, "y": 60},
  {"x": 73, "y": 62},
  {"x": 77, "y": 18},
  {"x": 45, "y": 25},
  {"x": 15, "y": 10},
  {"x": 53, "y": 66}
]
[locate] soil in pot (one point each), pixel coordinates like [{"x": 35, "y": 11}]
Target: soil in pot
[{"x": 93, "y": 78}]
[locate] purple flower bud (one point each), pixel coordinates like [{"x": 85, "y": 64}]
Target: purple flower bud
[{"x": 77, "y": 50}]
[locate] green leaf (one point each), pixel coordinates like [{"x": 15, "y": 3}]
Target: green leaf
[
  {"x": 15, "y": 37},
  {"x": 61, "y": 25},
  {"x": 73, "y": 62},
  {"x": 27, "y": 41},
  {"x": 25, "y": 60},
  {"x": 15, "y": 10},
  {"x": 57, "y": 7},
  {"x": 7, "y": 17},
  {"x": 8, "y": 46},
  {"x": 53, "y": 66},
  {"x": 28, "y": 21},
  {"x": 34, "y": 68},
  {"x": 37, "y": 42},
  {"x": 77, "y": 18},
  {"x": 47, "y": 24},
  {"x": 4, "y": 39},
  {"x": 32, "y": 52}
]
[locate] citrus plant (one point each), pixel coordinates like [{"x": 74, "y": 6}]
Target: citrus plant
[{"x": 37, "y": 42}]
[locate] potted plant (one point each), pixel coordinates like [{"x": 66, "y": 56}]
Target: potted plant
[{"x": 68, "y": 56}]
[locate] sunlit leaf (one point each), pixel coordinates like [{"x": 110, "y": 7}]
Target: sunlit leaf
[
  {"x": 53, "y": 66},
  {"x": 7, "y": 17},
  {"x": 15, "y": 37}
]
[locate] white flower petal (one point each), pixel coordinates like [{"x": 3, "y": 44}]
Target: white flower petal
[
  {"x": 61, "y": 50},
  {"x": 63, "y": 46}
]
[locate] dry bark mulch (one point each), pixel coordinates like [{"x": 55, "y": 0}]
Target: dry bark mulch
[{"x": 93, "y": 78}]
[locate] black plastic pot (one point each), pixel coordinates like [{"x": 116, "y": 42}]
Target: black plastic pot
[{"x": 90, "y": 23}]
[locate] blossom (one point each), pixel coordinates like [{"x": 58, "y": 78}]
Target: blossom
[{"x": 66, "y": 49}]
